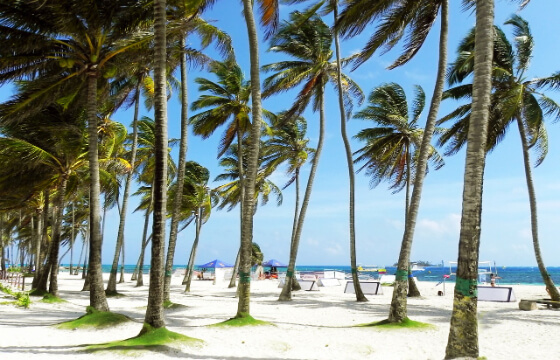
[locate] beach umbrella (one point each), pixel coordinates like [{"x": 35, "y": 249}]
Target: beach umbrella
[
  {"x": 274, "y": 263},
  {"x": 216, "y": 264}
]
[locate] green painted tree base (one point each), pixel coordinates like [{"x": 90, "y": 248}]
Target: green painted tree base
[
  {"x": 149, "y": 339},
  {"x": 113, "y": 294},
  {"x": 406, "y": 323},
  {"x": 241, "y": 320},
  {"x": 51, "y": 299},
  {"x": 35, "y": 292},
  {"x": 95, "y": 319},
  {"x": 167, "y": 304}
]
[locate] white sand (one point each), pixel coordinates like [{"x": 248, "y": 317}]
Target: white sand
[{"x": 315, "y": 325}]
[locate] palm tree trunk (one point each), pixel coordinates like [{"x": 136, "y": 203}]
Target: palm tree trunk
[
  {"x": 112, "y": 285},
  {"x": 193, "y": 251},
  {"x": 351, "y": 178},
  {"x": 295, "y": 284},
  {"x": 72, "y": 240},
  {"x": 180, "y": 177},
  {"x": 39, "y": 281},
  {"x": 412, "y": 288},
  {"x": 140, "y": 265},
  {"x": 154, "y": 311},
  {"x": 97, "y": 298},
  {"x": 244, "y": 287},
  {"x": 550, "y": 287},
  {"x": 463, "y": 332},
  {"x": 286, "y": 294},
  {"x": 398, "y": 310},
  {"x": 241, "y": 200},
  {"x": 121, "y": 279}
]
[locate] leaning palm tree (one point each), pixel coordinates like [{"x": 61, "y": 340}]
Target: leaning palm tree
[
  {"x": 332, "y": 6},
  {"x": 463, "y": 331},
  {"x": 288, "y": 145},
  {"x": 515, "y": 99},
  {"x": 307, "y": 39},
  {"x": 66, "y": 48},
  {"x": 396, "y": 19},
  {"x": 391, "y": 148},
  {"x": 185, "y": 23},
  {"x": 226, "y": 103}
]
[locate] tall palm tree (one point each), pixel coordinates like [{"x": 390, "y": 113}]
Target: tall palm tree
[
  {"x": 228, "y": 100},
  {"x": 188, "y": 22},
  {"x": 154, "y": 312},
  {"x": 307, "y": 39},
  {"x": 288, "y": 144},
  {"x": 463, "y": 331},
  {"x": 269, "y": 19},
  {"x": 515, "y": 99},
  {"x": 332, "y": 6},
  {"x": 414, "y": 19},
  {"x": 66, "y": 47}
]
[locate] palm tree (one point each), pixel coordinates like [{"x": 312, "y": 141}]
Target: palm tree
[
  {"x": 515, "y": 99},
  {"x": 391, "y": 148},
  {"x": 288, "y": 144},
  {"x": 66, "y": 47},
  {"x": 187, "y": 22},
  {"x": 463, "y": 331},
  {"x": 228, "y": 101},
  {"x": 53, "y": 142},
  {"x": 397, "y": 19},
  {"x": 308, "y": 39},
  {"x": 154, "y": 312}
]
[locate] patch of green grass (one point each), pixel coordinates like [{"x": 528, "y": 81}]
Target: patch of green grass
[
  {"x": 51, "y": 299},
  {"x": 406, "y": 324},
  {"x": 243, "y": 320},
  {"x": 95, "y": 319},
  {"x": 149, "y": 339}
]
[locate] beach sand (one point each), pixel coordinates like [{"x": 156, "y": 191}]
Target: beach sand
[{"x": 315, "y": 325}]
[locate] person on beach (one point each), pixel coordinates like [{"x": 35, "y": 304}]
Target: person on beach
[{"x": 493, "y": 279}]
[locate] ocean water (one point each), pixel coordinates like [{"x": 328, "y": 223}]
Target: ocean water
[{"x": 527, "y": 275}]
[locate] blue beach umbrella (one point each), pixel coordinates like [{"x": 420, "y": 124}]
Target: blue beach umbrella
[
  {"x": 216, "y": 264},
  {"x": 274, "y": 263}
]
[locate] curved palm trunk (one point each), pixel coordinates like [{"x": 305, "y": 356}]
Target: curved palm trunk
[
  {"x": 412, "y": 288},
  {"x": 154, "y": 311},
  {"x": 295, "y": 284},
  {"x": 39, "y": 281},
  {"x": 97, "y": 296},
  {"x": 463, "y": 332},
  {"x": 244, "y": 287},
  {"x": 112, "y": 285},
  {"x": 173, "y": 231},
  {"x": 193, "y": 251},
  {"x": 72, "y": 240},
  {"x": 140, "y": 265},
  {"x": 241, "y": 200},
  {"x": 398, "y": 310},
  {"x": 121, "y": 279},
  {"x": 38, "y": 240},
  {"x": 55, "y": 246},
  {"x": 351, "y": 178},
  {"x": 286, "y": 294},
  {"x": 550, "y": 287}
]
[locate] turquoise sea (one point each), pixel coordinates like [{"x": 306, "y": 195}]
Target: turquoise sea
[{"x": 528, "y": 275}]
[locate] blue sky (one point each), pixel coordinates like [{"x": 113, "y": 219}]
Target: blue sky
[{"x": 506, "y": 237}]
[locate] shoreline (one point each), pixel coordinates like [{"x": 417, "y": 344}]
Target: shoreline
[{"x": 315, "y": 325}]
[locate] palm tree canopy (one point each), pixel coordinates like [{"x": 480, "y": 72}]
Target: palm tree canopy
[
  {"x": 308, "y": 40},
  {"x": 390, "y": 145},
  {"x": 513, "y": 95},
  {"x": 412, "y": 19}
]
